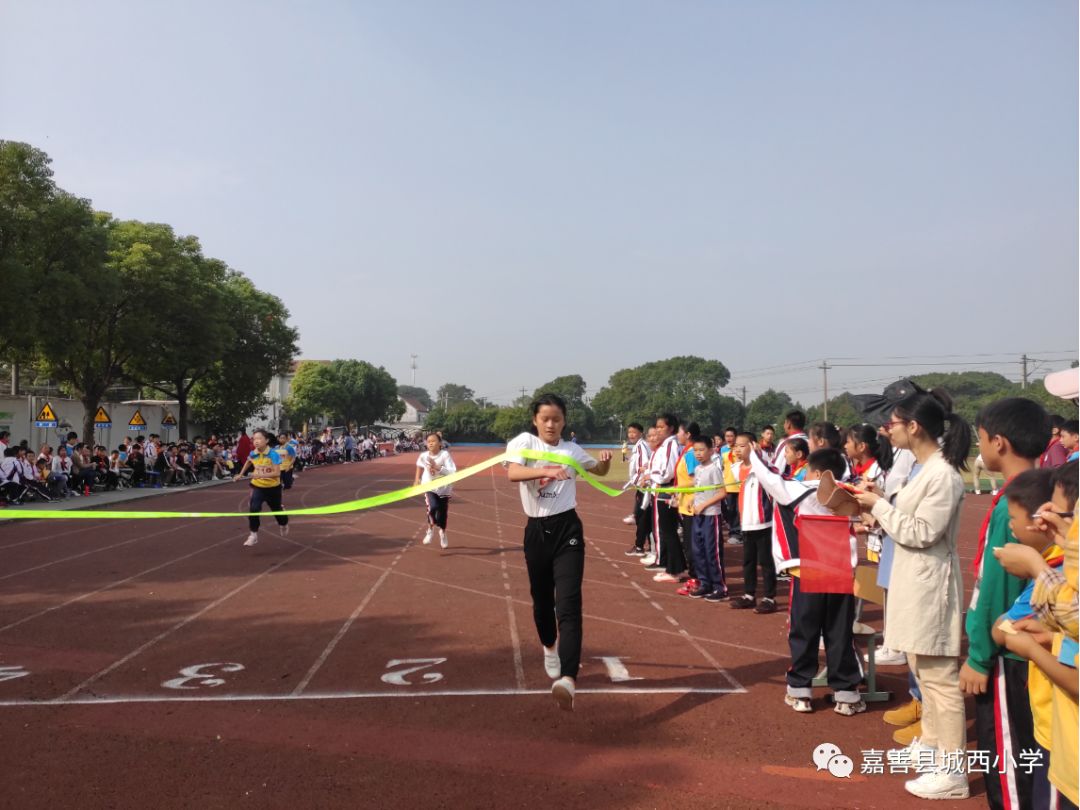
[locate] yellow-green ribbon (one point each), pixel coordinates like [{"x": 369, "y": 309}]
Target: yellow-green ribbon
[{"x": 371, "y": 502}]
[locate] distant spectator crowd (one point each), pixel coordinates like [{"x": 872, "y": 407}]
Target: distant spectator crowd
[{"x": 76, "y": 469}]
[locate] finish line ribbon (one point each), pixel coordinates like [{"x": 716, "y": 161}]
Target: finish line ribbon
[{"x": 371, "y": 502}]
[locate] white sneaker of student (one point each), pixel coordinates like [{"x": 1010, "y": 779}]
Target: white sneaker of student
[
  {"x": 799, "y": 704},
  {"x": 628, "y": 520},
  {"x": 284, "y": 530},
  {"x": 938, "y": 784},
  {"x": 252, "y": 539},
  {"x": 552, "y": 664},
  {"x": 428, "y": 536},
  {"x": 563, "y": 690},
  {"x": 648, "y": 559},
  {"x": 442, "y": 539},
  {"x": 885, "y": 657}
]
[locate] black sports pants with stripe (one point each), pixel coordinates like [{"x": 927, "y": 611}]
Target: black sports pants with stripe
[{"x": 555, "y": 560}]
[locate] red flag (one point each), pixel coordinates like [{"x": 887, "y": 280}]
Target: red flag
[{"x": 825, "y": 554}]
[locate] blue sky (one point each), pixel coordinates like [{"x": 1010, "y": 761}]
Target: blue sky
[{"x": 517, "y": 191}]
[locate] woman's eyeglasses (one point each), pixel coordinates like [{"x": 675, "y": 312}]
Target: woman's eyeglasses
[{"x": 890, "y": 425}]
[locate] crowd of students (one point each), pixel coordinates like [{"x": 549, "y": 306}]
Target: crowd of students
[
  {"x": 77, "y": 469},
  {"x": 905, "y": 491}
]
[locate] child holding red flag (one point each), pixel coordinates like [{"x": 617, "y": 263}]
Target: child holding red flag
[{"x": 813, "y": 616}]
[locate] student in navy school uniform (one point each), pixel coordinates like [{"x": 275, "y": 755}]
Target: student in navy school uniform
[{"x": 813, "y": 616}]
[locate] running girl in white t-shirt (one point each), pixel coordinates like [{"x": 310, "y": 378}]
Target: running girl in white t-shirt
[
  {"x": 554, "y": 539},
  {"x": 435, "y": 463}
]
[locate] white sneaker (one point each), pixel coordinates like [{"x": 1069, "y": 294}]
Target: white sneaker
[
  {"x": 910, "y": 752},
  {"x": 552, "y": 664},
  {"x": 850, "y": 709},
  {"x": 443, "y": 542},
  {"x": 629, "y": 520},
  {"x": 884, "y": 657},
  {"x": 648, "y": 559},
  {"x": 799, "y": 704},
  {"x": 563, "y": 690},
  {"x": 284, "y": 530},
  {"x": 252, "y": 539},
  {"x": 428, "y": 536},
  {"x": 994, "y": 492},
  {"x": 938, "y": 785}
]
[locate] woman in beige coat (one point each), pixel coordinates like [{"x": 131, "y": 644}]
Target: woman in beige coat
[{"x": 923, "y": 612}]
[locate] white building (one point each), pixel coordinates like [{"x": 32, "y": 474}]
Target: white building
[{"x": 414, "y": 415}]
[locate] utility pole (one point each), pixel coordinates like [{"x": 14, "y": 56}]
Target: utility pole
[
  {"x": 825, "y": 376},
  {"x": 413, "y": 367},
  {"x": 743, "y": 389},
  {"x": 523, "y": 392},
  {"x": 1024, "y": 379}
]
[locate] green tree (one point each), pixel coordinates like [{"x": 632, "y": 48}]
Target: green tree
[
  {"x": 416, "y": 392},
  {"x": 510, "y": 421},
  {"x": 843, "y": 412},
  {"x": 313, "y": 392},
  {"x": 687, "y": 386},
  {"x": 27, "y": 193},
  {"x": 234, "y": 389},
  {"x": 101, "y": 330},
  {"x": 353, "y": 392},
  {"x": 579, "y": 416},
  {"x": 768, "y": 408},
  {"x": 189, "y": 327},
  {"x": 451, "y": 394}
]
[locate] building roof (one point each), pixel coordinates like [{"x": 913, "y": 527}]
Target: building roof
[{"x": 413, "y": 403}]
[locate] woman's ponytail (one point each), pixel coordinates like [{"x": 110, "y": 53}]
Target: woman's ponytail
[
  {"x": 933, "y": 410},
  {"x": 956, "y": 442}
]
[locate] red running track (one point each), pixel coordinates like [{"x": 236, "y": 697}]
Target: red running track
[{"x": 163, "y": 664}]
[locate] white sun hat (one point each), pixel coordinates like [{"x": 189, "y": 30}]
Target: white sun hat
[{"x": 1064, "y": 384}]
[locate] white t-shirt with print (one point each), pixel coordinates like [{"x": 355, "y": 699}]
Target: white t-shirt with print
[
  {"x": 542, "y": 498},
  {"x": 443, "y": 463}
]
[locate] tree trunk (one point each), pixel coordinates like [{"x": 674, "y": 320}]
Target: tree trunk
[
  {"x": 90, "y": 405},
  {"x": 182, "y": 409}
]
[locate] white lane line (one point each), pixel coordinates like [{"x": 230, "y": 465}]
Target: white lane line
[
  {"x": 66, "y": 697},
  {"x": 182, "y": 524},
  {"x": 590, "y": 616},
  {"x": 300, "y": 687},
  {"x": 614, "y": 690},
  {"x": 515, "y": 638},
  {"x": 735, "y": 685},
  {"x": 118, "y": 582}
]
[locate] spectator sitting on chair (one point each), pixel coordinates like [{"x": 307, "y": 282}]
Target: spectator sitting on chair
[
  {"x": 11, "y": 486},
  {"x": 60, "y": 471}
]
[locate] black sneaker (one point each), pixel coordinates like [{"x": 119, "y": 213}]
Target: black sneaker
[
  {"x": 767, "y": 605},
  {"x": 655, "y": 567},
  {"x": 635, "y": 552},
  {"x": 698, "y": 593},
  {"x": 744, "y": 602},
  {"x": 715, "y": 596},
  {"x": 783, "y": 576}
]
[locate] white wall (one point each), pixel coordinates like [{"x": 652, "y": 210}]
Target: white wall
[{"x": 17, "y": 414}]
